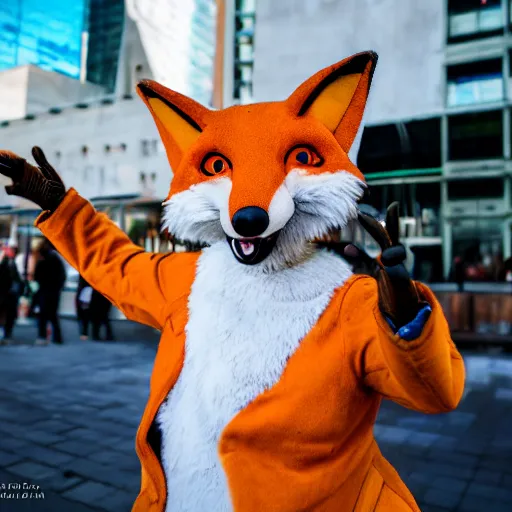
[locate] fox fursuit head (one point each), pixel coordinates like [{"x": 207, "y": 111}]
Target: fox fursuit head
[{"x": 265, "y": 178}]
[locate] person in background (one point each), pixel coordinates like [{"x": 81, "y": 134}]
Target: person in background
[
  {"x": 100, "y": 316},
  {"x": 50, "y": 274},
  {"x": 10, "y": 290},
  {"x": 458, "y": 273},
  {"x": 83, "y": 307},
  {"x": 506, "y": 271}
]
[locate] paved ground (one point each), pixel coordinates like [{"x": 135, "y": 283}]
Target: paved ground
[{"x": 68, "y": 416}]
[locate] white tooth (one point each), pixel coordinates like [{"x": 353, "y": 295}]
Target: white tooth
[{"x": 233, "y": 245}]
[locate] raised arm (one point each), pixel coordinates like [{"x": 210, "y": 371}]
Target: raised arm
[
  {"x": 142, "y": 285},
  {"x": 425, "y": 373},
  {"x": 396, "y": 331}
]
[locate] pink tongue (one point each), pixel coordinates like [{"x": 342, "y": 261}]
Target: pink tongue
[{"x": 247, "y": 247}]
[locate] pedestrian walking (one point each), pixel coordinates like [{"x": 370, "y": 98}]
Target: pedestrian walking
[
  {"x": 10, "y": 291},
  {"x": 50, "y": 274},
  {"x": 100, "y": 316},
  {"x": 83, "y": 307}
]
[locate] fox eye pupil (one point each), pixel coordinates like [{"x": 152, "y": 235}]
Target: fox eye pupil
[
  {"x": 302, "y": 157},
  {"x": 218, "y": 165}
]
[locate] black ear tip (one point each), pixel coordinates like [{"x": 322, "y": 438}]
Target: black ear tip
[{"x": 373, "y": 55}]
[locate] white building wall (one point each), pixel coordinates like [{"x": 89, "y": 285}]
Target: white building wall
[
  {"x": 96, "y": 173},
  {"x": 296, "y": 38},
  {"x": 13, "y": 93},
  {"x": 31, "y": 90}
]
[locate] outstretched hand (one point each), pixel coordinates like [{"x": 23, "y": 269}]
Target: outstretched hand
[
  {"x": 399, "y": 299},
  {"x": 41, "y": 185}
]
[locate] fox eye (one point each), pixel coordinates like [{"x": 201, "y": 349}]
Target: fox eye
[
  {"x": 304, "y": 155},
  {"x": 214, "y": 163}
]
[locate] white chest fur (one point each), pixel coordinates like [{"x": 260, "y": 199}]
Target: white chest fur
[{"x": 243, "y": 326}]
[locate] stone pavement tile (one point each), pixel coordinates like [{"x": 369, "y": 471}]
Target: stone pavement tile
[
  {"x": 460, "y": 418},
  {"x": 413, "y": 452},
  {"x": 442, "y": 498},
  {"x": 60, "y": 482},
  {"x": 117, "y": 459},
  {"x": 460, "y": 459},
  {"x": 106, "y": 474},
  {"x": 491, "y": 492},
  {"x": 120, "y": 501},
  {"x": 8, "y": 426},
  {"x": 472, "y": 503},
  {"x": 438, "y": 469},
  {"x": 422, "y": 439},
  {"x": 97, "y": 437},
  {"x": 45, "y": 455},
  {"x": 127, "y": 445},
  {"x": 472, "y": 446},
  {"x": 394, "y": 435},
  {"x": 421, "y": 423},
  {"x": 27, "y": 417},
  {"x": 89, "y": 493},
  {"x": 6, "y": 458},
  {"x": 44, "y": 438},
  {"x": 121, "y": 415},
  {"x": 418, "y": 484},
  {"x": 83, "y": 409},
  {"x": 52, "y": 426},
  {"x": 78, "y": 447},
  {"x": 450, "y": 484},
  {"x": 106, "y": 427},
  {"x": 431, "y": 508},
  {"x": 444, "y": 443},
  {"x": 33, "y": 470},
  {"x": 494, "y": 464},
  {"x": 489, "y": 477},
  {"x": 12, "y": 444}
]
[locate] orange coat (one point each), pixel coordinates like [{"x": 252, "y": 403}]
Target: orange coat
[{"x": 307, "y": 443}]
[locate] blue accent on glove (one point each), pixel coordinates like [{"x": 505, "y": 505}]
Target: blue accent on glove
[{"x": 413, "y": 329}]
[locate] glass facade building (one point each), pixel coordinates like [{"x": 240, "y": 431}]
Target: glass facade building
[
  {"x": 106, "y": 21},
  {"x": 47, "y": 34},
  {"x": 178, "y": 37}
]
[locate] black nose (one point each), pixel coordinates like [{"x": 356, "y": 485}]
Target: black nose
[{"x": 250, "y": 221}]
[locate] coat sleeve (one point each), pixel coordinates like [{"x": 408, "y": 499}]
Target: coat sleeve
[
  {"x": 426, "y": 374},
  {"x": 142, "y": 285}
]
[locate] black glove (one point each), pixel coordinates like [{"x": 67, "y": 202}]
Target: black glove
[
  {"x": 399, "y": 300},
  {"x": 41, "y": 185}
]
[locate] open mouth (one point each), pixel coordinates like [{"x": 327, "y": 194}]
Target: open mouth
[{"x": 252, "y": 250}]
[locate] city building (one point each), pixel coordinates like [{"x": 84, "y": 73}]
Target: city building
[
  {"x": 234, "y": 65},
  {"x": 78, "y": 102},
  {"x": 437, "y": 130}
]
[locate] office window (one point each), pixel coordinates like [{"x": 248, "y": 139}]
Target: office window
[
  {"x": 410, "y": 145},
  {"x": 106, "y": 20},
  {"x": 476, "y": 82},
  {"x": 490, "y": 188},
  {"x": 475, "y": 136},
  {"x": 471, "y": 19},
  {"x": 244, "y": 50}
]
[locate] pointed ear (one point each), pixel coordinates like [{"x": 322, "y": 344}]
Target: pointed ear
[
  {"x": 180, "y": 120},
  {"x": 337, "y": 96}
]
